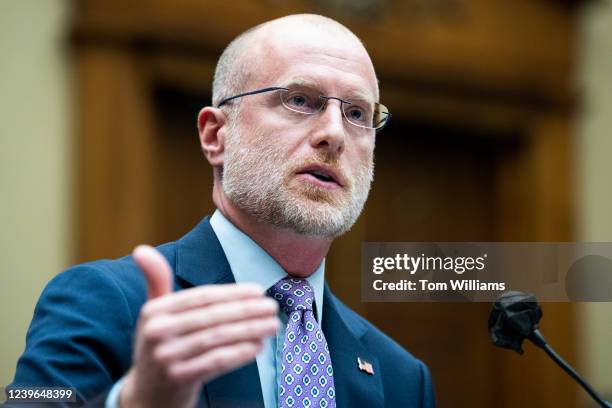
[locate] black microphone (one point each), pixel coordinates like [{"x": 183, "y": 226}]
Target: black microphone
[{"x": 515, "y": 316}]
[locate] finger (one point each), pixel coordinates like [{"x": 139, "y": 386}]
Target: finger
[
  {"x": 197, "y": 343},
  {"x": 156, "y": 270},
  {"x": 217, "y": 362},
  {"x": 202, "y": 296},
  {"x": 168, "y": 325}
]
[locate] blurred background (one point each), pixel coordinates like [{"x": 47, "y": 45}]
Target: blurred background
[{"x": 500, "y": 132}]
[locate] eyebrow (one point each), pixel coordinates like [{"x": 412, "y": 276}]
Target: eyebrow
[{"x": 356, "y": 94}]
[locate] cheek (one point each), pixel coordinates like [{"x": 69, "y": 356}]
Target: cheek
[
  {"x": 363, "y": 153},
  {"x": 272, "y": 141},
  {"x": 247, "y": 119},
  {"x": 265, "y": 120}
]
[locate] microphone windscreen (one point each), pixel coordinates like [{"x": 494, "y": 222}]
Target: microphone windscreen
[{"x": 514, "y": 316}]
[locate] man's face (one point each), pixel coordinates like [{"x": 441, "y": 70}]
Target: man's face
[{"x": 307, "y": 173}]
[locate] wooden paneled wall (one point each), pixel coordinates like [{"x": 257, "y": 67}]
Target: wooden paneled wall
[{"x": 483, "y": 96}]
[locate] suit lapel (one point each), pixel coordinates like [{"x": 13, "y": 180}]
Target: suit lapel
[
  {"x": 240, "y": 388},
  {"x": 200, "y": 260},
  {"x": 343, "y": 333}
]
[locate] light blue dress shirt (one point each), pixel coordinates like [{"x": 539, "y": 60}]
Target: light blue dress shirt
[{"x": 250, "y": 263}]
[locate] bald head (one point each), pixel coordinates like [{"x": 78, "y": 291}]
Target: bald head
[
  {"x": 248, "y": 58},
  {"x": 263, "y": 147}
]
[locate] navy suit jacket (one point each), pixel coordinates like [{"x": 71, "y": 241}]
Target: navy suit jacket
[{"x": 82, "y": 332}]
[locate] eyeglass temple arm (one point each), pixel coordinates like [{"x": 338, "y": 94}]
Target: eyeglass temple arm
[
  {"x": 272, "y": 88},
  {"x": 386, "y": 120}
]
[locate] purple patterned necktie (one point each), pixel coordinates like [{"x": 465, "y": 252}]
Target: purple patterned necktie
[{"x": 307, "y": 377}]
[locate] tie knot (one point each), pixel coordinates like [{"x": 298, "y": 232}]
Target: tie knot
[{"x": 292, "y": 294}]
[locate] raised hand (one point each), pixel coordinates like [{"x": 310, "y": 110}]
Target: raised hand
[{"x": 188, "y": 338}]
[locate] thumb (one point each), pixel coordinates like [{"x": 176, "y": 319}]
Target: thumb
[{"x": 156, "y": 270}]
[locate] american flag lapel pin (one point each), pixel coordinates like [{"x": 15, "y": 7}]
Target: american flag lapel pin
[{"x": 365, "y": 366}]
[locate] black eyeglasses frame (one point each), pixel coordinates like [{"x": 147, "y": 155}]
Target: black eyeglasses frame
[{"x": 281, "y": 88}]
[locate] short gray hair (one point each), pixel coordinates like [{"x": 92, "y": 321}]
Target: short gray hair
[{"x": 232, "y": 70}]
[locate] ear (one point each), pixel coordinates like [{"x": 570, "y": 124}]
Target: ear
[{"x": 212, "y": 138}]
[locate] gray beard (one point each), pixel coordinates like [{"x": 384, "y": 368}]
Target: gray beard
[{"x": 258, "y": 181}]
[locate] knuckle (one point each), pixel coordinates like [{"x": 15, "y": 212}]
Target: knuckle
[
  {"x": 262, "y": 326},
  {"x": 158, "y": 358},
  {"x": 206, "y": 369},
  {"x": 246, "y": 308},
  {"x": 146, "y": 312},
  {"x": 149, "y": 331},
  {"x": 204, "y": 341},
  {"x": 220, "y": 360},
  {"x": 254, "y": 327},
  {"x": 172, "y": 375},
  {"x": 247, "y": 351},
  {"x": 254, "y": 287},
  {"x": 206, "y": 317},
  {"x": 271, "y": 305},
  {"x": 176, "y": 378}
]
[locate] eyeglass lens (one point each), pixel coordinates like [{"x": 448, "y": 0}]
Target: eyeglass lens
[{"x": 357, "y": 112}]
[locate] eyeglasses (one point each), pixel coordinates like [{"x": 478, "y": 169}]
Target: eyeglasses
[{"x": 309, "y": 101}]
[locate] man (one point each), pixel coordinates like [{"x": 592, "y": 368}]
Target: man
[{"x": 291, "y": 140}]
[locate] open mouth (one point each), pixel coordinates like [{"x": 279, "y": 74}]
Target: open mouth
[{"x": 321, "y": 175}]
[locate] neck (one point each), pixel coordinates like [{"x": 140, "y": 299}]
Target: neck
[{"x": 299, "y": 255}]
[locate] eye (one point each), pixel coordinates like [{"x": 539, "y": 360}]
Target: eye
[
  {"x": 299, "y": 101},
  {"x": 356, "y": 114}
]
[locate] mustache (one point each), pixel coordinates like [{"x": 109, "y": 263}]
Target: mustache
[{"x": 326, "y": 158}]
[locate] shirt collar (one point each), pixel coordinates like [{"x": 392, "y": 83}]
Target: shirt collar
[{"x": 250, "y": 263}]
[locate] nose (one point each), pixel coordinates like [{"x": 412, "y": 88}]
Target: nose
[{"x": 329, "y": 133}]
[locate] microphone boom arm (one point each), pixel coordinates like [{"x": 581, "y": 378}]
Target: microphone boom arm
[
  {"x": 538, "y": 339},
  {"x": 515, "y": 316}
]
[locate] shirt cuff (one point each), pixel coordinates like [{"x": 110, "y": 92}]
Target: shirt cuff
[{"x": 112, "y": 400}]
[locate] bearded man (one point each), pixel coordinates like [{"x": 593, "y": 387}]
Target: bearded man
[{"x": 237, "y": 313}]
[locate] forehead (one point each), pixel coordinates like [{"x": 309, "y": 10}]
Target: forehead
[{"x": 336, "y": 62}]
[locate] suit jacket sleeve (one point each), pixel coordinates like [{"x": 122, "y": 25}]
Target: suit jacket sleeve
[
  {"x": 428, "y": 396},
  {"x": 80, "y": 335}
]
